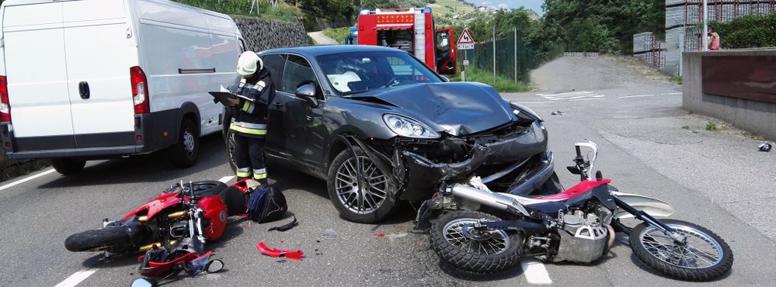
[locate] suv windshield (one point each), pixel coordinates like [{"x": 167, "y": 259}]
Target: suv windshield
[{"x": 352, "y": 73}]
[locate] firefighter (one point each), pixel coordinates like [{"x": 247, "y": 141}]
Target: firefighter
[{"x": 250, "y": 120}]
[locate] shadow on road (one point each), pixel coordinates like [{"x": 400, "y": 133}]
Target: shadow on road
[{"x": 145, "y": 168}]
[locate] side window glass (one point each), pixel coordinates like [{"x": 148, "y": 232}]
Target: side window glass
[
  {"x": 274, "y": 63},
  {"x": 296, "y": 71}
]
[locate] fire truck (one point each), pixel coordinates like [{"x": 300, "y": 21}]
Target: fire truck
[{"x": 411, "y": 30}]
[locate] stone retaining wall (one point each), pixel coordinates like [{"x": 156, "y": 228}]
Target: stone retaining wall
[{"x": 263, "y": 34}]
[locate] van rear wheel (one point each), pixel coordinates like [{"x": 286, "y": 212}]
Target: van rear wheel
[
  {"x": 68, "y": 166},
  {"x": 184, "y": 154}
]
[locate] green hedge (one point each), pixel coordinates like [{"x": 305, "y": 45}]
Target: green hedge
[{"x": 752, "y": 31}]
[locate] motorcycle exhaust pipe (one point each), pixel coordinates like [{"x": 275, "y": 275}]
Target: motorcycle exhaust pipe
[
  {"x": 489, "y": 198},
  {"x": 150, "y": 246}
]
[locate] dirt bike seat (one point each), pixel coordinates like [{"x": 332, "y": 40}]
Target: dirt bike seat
[{"x": 569, "y": 197}]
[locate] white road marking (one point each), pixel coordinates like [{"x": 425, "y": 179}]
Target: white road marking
[
  {"x": 535, "y": 272},
  {"x": 672, "y": 94},
  {"x": 596, "y": 97},
  {"x": 26, "y": 179},
  {"x": 226, "y": 179},
  {"x": 635, "y": 96},
  {"x": 542, "y": 102},
  {"x": 76, "y": 278},
  {"x": 570, "y": 96}
]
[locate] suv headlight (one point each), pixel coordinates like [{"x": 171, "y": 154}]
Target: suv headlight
[
  {"x": 517, "y": 108},
  {"x": 408, "y": 127}
]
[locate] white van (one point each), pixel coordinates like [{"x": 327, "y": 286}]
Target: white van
[{"x": 95, "y": 79}]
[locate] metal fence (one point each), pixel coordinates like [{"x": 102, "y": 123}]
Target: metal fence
[{"x": 510, "y": 57}]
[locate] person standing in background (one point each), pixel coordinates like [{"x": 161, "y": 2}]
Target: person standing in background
[{"x": 714, "y": 44}]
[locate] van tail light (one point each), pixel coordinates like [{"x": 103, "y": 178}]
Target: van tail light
[
  {"x": 5, "y": 104},
  {"x": 139, "y": 90}
]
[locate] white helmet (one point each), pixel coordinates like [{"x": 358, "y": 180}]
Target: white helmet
[{"x": 249, "y": 63}]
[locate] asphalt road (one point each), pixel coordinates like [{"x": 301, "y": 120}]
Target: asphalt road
[
  {"x": 320, "y": 39},
  {"x": 648, "y": 145}
]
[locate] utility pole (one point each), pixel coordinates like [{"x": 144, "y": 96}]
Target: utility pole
[
  {"x": 705, "y": 25},
  {"x": 494, "y": 52},
  {"x": 515, "y": 54}
]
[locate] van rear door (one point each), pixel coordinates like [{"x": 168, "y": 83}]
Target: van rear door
[
  {"x": 37, "y": 76},
  {"x": 100, "y": 50}
]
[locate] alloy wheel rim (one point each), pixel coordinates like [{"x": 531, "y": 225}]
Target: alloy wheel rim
[
  {"x": 360, "y": 196},
  {"x": 495, "y": 242},
  {"x": 699, "y": 251},
  {"x": 188, "y": 141}
]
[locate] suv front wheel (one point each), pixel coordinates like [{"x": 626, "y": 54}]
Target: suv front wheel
[{"x": 364, "y": 198}]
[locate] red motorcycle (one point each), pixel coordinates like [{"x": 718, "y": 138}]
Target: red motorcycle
[{"x": 171, "y": 229}]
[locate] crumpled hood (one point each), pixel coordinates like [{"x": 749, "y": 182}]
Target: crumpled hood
[{"x": 454, "y": 108}]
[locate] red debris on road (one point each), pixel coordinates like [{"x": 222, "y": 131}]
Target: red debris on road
[{"x": 277, "y": 253}]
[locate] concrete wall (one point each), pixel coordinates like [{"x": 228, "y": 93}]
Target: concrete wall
[{"x": 756, "y": 117}]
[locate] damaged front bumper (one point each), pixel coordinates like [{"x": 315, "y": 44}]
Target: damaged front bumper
[{"x": 517, "y": 162}]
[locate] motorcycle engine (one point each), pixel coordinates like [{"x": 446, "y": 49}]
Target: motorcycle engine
[
  {"x": 583, "y": 236},
  {"x": 179, "y": 229}
]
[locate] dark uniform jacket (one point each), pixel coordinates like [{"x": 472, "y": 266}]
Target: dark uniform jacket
[{"x": 251, "y": 118}]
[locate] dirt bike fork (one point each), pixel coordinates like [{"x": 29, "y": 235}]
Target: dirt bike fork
[{"x": 643, "y": 216}]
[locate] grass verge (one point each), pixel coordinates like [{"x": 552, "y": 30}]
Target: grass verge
[
  {"x": 338, "y": 34},
  {"x": 500, "y": 83}
]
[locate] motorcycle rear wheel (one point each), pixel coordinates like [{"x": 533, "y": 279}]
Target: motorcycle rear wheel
[
  {"x": 704, "y": 256},
  {"x": 498, "y": 252}
]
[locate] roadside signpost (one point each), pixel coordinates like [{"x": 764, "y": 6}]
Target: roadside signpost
[{"x": 465, "y": 42}]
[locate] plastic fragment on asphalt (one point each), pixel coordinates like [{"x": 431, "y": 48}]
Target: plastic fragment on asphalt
[
  {"x": 379, "y": 234},
  {"x": 557, "y": 113},
  {"x": 765, "y": 147},
  {"x": 329, "y": 233},
  {"x": 278, "y": 253}
]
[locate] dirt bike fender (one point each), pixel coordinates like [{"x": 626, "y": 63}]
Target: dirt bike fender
[{"x": 651, "y": 206}]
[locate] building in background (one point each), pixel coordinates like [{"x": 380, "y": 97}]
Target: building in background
[{"x": 684, "y": 26}]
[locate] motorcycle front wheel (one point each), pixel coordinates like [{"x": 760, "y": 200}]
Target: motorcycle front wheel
[
  {"x": 111, "y": 238},
  {"x": 703, "y": 256},
  {"x": 480, "y": 254}
]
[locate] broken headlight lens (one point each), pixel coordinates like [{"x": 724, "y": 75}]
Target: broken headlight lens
[
  {"x": 518, "y": 108},
  {"x": 408, "y": 127}
]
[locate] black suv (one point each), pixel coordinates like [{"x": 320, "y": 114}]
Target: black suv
[{"x": 379, "y": 127}]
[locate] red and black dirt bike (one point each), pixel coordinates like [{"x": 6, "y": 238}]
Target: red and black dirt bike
[
  {"x": 171, "y": 228},
  {"x": 576, "y": 225}
]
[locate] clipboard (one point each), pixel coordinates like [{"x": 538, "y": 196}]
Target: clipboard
[{"x": 227, "y": 98}]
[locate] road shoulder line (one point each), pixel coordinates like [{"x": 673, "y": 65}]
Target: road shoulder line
[{"x": 26, "y": 179}]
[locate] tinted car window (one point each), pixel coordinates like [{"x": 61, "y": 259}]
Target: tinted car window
[
  {"x": 274, "y": 63},
  {"x": 297, "y": 71},
  {"x": 352, "y": 73}
]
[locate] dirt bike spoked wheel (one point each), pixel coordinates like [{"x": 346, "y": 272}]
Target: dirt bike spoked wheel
[
  {"x": 473, "y": 251},
  {"x": 703, "y": 256}
]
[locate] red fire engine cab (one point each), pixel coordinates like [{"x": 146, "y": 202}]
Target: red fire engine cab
[{"x": 411, "y": 30}]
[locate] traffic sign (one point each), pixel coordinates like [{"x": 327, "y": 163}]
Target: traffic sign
[
  {"x": 465, "y": 46},
  {"x": 466, "y": 41}
]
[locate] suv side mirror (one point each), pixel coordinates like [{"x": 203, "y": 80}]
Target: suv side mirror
[{"x": 307, "y": 91}]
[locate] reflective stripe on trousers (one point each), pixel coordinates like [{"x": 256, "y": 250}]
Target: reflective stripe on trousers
[
  {"x": 259, "y": 174},
  {"x": 243, "y": 172},
  {"x": 248, "y": 128}
]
